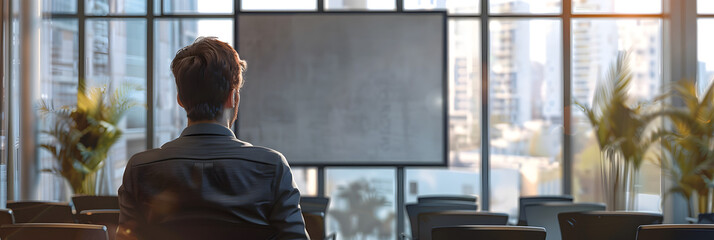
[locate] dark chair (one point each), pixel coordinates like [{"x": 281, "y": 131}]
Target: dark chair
[
  {"x": 53, "y": 231},
  {"x": 545, "y": 215},
  {"x": 106, "y": 217},
  {"x": 192, "y": 229},
  {"x": 315, "y": 226},
  {"x": 706, "y": 218},
  {"x": 86, "y": 202},
  {"x": 6, "y": 217},
  {"x": 41, "y": 212},
  {"x": 676, "y": 232},
  {"x": 314, "y": 205},
  {"x": 414, "y": 209},
  {"x": 428, "y": 221},
  {"x": 488, "y": 232},
  {"x": 314, "y": 210},
  {"x": 523, "y": 201},
  {"x": 604, "y": 225},
  {"x": 457, "y": 199}
]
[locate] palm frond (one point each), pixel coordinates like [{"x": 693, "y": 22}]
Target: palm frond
[
  {"x": 83, "y": 134},
  {"x": 689, "y": 150},
  {"x": 618, "y": 125}
]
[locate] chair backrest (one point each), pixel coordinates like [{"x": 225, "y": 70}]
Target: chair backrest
[
  {"x": 706, "y": 218},
  {"x": 428, "y": 221},
  {"x": 53, "y": 231},
  {"x": 86, "y": 202},
  {"x": 457, "y": 199},
  {"x": 414, "y": 209},
  {"x": 314, "y": 205},
  {"x": 488, "y": 232},
  {"x": 41, "y": 212},
  {"x": 546, "y": 214},
  {"x": 314, "y": 225},
  {"x": 6, "y": 217},
  {"x": 604, "y": 225},
  {"x": 676, "y": 232},
  {"x": 191, "y": 229},
  {"x": 106, "y": 217},
  {"x": 523, "y": 201}
]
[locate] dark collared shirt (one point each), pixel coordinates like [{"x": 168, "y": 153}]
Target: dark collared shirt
[{"x": 208, "y": 173}]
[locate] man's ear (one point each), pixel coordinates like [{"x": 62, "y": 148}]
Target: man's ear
[
  {"x": 178, "y": 99},
  {"x": 232, "y": 100},
  {"x": 237, "y": 101}
]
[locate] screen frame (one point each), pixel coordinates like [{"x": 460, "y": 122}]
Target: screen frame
[{"x": 444, "y": 75}]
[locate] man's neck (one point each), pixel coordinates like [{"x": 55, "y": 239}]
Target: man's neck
[{"x": 222, "y": 123}]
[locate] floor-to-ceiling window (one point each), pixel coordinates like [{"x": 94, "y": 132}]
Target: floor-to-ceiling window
[
  {"x": 607, "y": 28},
  {"x": 509, "y": 95},
  {"x": 705, "y": 48},
  {"x": 111, "y": 44}
]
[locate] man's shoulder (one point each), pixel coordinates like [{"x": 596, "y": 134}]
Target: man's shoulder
[
  {"x": 233, "y": 151},
  {"x": 269, "y": 155}
]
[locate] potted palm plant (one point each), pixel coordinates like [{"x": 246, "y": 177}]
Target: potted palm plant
[
  {"x": 83, "y": 134},
  {"x": 623, "y": 132},
  {"x": 689, "y": 148}
]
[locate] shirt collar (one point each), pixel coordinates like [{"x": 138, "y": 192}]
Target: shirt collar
[{"x": 207, "y": 129}]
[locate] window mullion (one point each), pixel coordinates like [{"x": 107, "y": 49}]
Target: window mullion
[
  {"x": 485, "y": 144},
  {"x": 679, "y": 62},
  {"x": 567, "y": 159},
  {"x": 150, "y": 106}
]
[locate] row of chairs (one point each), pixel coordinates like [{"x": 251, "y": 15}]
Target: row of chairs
[
  {"x": 57, "y": 212},
  {"x": 644, "y": 232},
  {"x": 99, "y": 216},
  {"x": 554, "y": 214},
  {"x": 429, "y": 212},
  {"x": 93, "y": 217}
]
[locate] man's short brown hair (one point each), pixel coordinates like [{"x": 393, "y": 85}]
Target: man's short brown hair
[{"x": 206, "y": 73}]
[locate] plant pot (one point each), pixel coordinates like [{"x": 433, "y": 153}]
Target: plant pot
[
  {"x": 87, "y": 185},
  {"x": 701, "y": 203},
  {"x": 618, "y": 176}
]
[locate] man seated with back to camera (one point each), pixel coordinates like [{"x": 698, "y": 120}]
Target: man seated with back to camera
[{"x": 207, "y": 184}]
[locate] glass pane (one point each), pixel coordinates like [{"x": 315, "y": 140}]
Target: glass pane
[
  {"x": 464, "y": 93},
  {"x": 613, "y": 6},
  {"x": 525, "y": 94},
  {"x": 453, "y": 181},
  {"x": 105, "y": 7},
  {"x": 57, "y": 6},
  {"x": 306, "y": 180},
  {"x": 360, "y": 5},
  {"x": 280, "y": 5},
  {"x": 463, "y": 175},
  {"x": 705, "y": 6},
  {"x": 4, "y": 99},
  {"x": 170, "y": 36},
  {"x": 453, "y": 6},
  {"x": 13, "y": 142},
  {"x": 362, "y": 203},
  {"x": 596, "y": 43},
  {"x": 464, "y": 119},
  {"x": 58, "y": 86},
  {"x": 116, "y": 57},
  {"x": 705, "y": 53},
  {"x": 196, "y": 6},
  {"x": 520, "y": 6}
]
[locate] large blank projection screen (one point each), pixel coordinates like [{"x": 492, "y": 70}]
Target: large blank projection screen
[{"x": 336, "y": 89}]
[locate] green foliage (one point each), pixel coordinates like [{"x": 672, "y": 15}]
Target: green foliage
[
  {"x": 360, "y": 219},
  {"x": 84, "y": 134},
  {"x": 689, "y": 149},
  {"x": 620, "y": 126}
]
